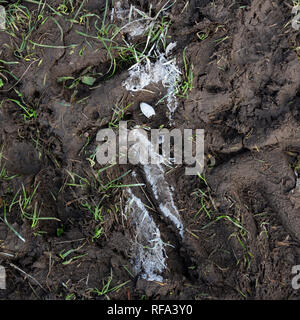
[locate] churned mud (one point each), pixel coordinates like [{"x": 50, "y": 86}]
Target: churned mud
[{"x": 71, "y": 228}]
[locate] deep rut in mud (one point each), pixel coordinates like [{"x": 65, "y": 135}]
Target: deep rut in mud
[{"x": 231, "y": 233}]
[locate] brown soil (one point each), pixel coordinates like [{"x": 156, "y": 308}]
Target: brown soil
[{"x": 246, "y": 97}]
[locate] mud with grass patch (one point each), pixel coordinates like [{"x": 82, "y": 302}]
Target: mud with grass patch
[{"x": 66, "y": 231}]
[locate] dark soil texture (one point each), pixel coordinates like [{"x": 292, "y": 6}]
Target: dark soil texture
[{"x": 241, "y": 222}]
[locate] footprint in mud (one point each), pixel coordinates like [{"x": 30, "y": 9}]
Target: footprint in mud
[{"x": 22, "y": 159}]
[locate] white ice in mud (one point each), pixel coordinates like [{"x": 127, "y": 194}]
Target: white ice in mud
[
  {"x": 135, "y": 22},
  {"x": 170, "y": 47},
  {"x": 148, "y": 248},
  {"x": 162, "y": 193},
  {"x": 163, "y": 70},
  {"x": 147, "y": 110},
  {"x": 134, "y": 27},
  {"x": 2, "y": 18},
  {"x": 155, "y": 175}
]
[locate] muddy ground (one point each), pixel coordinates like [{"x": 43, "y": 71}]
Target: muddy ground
[{"x": 241, "y": 225}]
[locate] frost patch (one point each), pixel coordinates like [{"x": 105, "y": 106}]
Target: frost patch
[
  {"x": 148, "y": 248},
  {"x": 2, "y": 18},
  {"x": 163, "y": 194},
  {"x": 162, "y": 71},
  {"x": 133, "y": 26},
  {"x": 155, "y": 176},
  {"x": 144, "y": 72}
]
